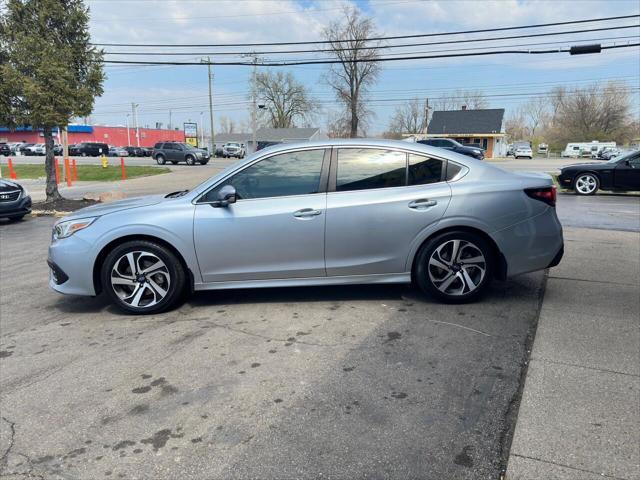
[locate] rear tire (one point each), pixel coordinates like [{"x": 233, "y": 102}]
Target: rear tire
[
  {"x": 160, "y": 160},
  {"x": 455, "y": 267},
  {"x": 142, "y": 277}
]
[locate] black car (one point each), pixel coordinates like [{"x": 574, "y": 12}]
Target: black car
[
  {"x": 175, "y": 152},
  {"x": 15, "y": 202},
  {"x": 620, "y": 174},
  {"x": 147, "y": 151},
  {"x": 5, "y": 149},
  {"x": 452, "y": 145},
  {"x": 89, "y": 149},
  {"x": 134, "y": 151}
]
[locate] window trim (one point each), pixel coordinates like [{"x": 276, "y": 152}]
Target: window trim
[
  {"x": 322, "y": 184},
  {"x": 333, "y": 170}
]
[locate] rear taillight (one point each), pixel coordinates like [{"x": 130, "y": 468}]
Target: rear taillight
[{"x": 546, "y": 194}]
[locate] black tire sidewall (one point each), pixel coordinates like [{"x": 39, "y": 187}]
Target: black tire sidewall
[
  {"x": 421, "y": 273},
  {"x": 160, "y": 160},
  {"x": 176, "y": 271},
  {"x": 190, "y": 160}
]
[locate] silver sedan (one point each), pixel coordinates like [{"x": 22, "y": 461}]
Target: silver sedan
[{"x": 324, "y": 213}]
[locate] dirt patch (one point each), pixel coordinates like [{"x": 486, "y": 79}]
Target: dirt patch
[{"x": 61, "y": 205}]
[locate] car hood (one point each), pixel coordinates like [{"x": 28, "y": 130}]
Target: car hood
[
  {"x": 8, "y": 185},
  {"x": 112, "y": 207},
  {"x": 584, "y": 165}
]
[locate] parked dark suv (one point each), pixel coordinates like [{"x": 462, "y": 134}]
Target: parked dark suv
[
  {"x": 452, "y": 145},
  {"x": 5, "y": 149},
  {"x": 176, "y": 152},
  {"x": 89, "y": 149}
]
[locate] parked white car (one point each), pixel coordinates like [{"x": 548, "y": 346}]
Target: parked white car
[
  {"x": 523, "y": 151},
  {"x": 233, "y": 149}
]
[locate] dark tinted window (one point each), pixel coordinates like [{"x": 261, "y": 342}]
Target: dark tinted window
[
  {"x": 452, "y": 170},
  {"x": 294, "y": 173},
  {"x": 158, "y": 145},
  {"x": 423, "y": 170},
  {"x": 366, "y": 168}
]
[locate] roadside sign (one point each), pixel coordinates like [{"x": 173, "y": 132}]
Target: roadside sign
[{"x": 191, "y": 133}]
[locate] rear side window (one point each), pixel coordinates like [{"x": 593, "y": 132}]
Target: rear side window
[
  {"x": 424, "y": 170},
  {"x": 292, "y": 173},
  {"x": 158, "y": 145},
  {"x": 453, "y": 169},
  {"x": 367, "y": 168}
]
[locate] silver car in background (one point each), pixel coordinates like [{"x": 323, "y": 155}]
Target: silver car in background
[{"x": 323, "y": 213}]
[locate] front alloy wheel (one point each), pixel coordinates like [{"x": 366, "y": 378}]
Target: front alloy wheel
[
  {"x": 587, "y": 184},
  {"x": 142, "y": 277},
  {"x": 455, "y": 267}
]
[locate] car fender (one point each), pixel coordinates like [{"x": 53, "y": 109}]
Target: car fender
[
  {"x": 184, "y": 246},
  {"x": 443, "y": 224}
]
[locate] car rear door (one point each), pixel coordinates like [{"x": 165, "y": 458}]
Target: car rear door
[
  {"x": 379, "y": 200},
  {"x": 626, "y": 175},
  {"x": 275, "y": 230}
]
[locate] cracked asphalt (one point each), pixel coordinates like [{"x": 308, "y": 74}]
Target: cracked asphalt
[{"x": 340, "y": 382}]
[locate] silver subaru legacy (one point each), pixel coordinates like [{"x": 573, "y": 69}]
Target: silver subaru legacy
[{"x": 325, "y": 213}]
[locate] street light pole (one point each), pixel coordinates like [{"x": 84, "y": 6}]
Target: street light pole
[
  {"x": 128, "y": 133},
  {"x": 135, "y": 122},
  {"x": 210, "y": 76},
  {"x": 202, "y": 129}
]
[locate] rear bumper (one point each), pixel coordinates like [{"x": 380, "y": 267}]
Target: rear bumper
[{"x": 533, "y": 244}]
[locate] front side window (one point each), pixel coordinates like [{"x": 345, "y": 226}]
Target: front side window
[
  {"x": 367, "y": 168},
  {"x": 424, "y": 170},
  {"x": 292, "y": 173}
]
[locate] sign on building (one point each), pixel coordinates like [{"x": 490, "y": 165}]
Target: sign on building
[{"x": 191, "y": 133}]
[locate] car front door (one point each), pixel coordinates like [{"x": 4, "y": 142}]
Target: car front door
[
  {"x": 626, "y": 175},
  {"x": 379, "y": 200},
  {"x": 275, "y": 230}
]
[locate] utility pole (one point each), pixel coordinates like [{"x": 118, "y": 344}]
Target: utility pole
[
  {"x": 254, "y": 106},
  {"x": 128, "y": 132},
  {"x": 426, "y": 115},
  {"x": 201, "y": 130},
  {"x": 169, "y": 119},
  {"x": 210, "y": 82},
  {"x": 135, "y": 122}
]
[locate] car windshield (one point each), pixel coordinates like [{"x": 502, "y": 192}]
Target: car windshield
[
  {"x": 233, "y": 144},
  {"x": 188, "y": 146},
  {"x": 622, "y": 156}
]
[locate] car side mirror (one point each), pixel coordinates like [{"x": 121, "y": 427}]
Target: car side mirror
[{"x": 226, "y": 196}]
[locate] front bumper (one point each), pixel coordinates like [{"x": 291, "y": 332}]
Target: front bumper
[
  {"x": 16, "y": 208},
  {"x": 72, "y": 258},
  {"x": 565, "y": 180}
]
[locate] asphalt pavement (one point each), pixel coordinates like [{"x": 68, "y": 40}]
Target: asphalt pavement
[{"x": 340, "y": 382}]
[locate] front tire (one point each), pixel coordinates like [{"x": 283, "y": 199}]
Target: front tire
[
  {"x": 143, "y": 277},
  {"x": 455, "y": 267},
  {"x": 190, "y": 160},
  {"x": 586, "y": 184}
]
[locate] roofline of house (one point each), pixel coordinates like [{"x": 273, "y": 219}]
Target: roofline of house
[{"x": 470, "y": 135}]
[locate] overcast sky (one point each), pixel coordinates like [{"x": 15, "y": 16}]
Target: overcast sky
[{"x": 183, "y": 89}]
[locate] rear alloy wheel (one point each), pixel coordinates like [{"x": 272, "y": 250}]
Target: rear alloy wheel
[
  {"x": 142, "y": 277},
  {"x": 190, "y": 160},
  {"x": 455, "y": 267},
  {"x": 587, "y": 184},
  {"x": 160, "y": 160}
]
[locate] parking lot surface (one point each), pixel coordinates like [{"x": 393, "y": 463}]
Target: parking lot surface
[{"x": 340, "y": 382}]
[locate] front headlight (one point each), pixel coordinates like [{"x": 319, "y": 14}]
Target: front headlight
[{"x": 68, "y": 228}]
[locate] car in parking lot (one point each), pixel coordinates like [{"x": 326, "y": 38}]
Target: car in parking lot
[
  {"x": 453, "y": 146},
  {"x": 33, "y": 149},
  {"x": 5, "y": 149},
  {"x": 89, "y": 149},
  {"x": 233, "y": 149},
  {"x": 621, "y": 173},
  {"x": 134, "y": 151},
  {"x": 521, "y": 151},
  {"x": 319, "y": 213},
  {"x": 118, "y": 152},
  {"x": 15, "y": 201},
  {"x": 608, "y": 153},
  {"x": 176, "y": 152}
]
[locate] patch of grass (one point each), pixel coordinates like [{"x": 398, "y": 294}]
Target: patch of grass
[{"x": 94, "y": 173}]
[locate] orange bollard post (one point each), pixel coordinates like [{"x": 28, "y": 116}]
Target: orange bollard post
[
  {"x": 124, "y": 170},
  {"x": 75, "y": 170},
  {"x": 57, "y": 169},
  {"x": 12, "y": 172},
  {"x": 67, "y": 172}
]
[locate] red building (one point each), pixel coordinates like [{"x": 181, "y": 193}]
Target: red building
[{"x": 115, "y": 136}]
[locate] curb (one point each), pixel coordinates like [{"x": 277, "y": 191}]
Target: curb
[{"x": 49, "y": 213}]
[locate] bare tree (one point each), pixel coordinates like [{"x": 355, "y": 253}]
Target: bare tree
[
  {"x": 227, "y": 125},
  {"x": 472, "y": 99},
  {"x": 358, "y": 68},
  {"x": 286, "y": 100},
  {"x": 536, "y": 113},
  {"x": 410, "y": 117},
  {"x": 516, "y": 126}
]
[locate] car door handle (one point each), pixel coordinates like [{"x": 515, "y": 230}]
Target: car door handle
[
  {"x": 307, "y": 213},
  {"x": 422, "y": 204}
]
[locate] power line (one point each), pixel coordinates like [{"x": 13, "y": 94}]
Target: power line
[
  {"x": 383, "y": 59},
  {"x": 379, "y": 47},
  {"x": 397, "y": 37}
]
